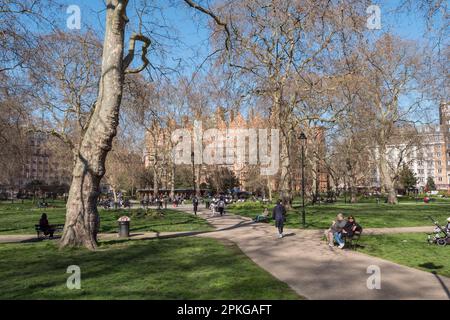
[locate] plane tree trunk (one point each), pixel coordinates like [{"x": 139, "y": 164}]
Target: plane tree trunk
[{"x": 82, "y": 216}]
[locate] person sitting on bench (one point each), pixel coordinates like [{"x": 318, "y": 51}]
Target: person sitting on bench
[
  {"x": 351, "y": 227},
  {"x": 262, "y": 217},
  {"x": 45, "y": 226},
  {"x": 335, "y": 231}
]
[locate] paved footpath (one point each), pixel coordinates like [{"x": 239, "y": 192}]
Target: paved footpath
[
  {"x": 307, "y": 264},
  {"x": 316, "y": 271}
]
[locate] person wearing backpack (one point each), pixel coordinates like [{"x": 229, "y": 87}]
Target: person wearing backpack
[
  {"x": 221, "y": 206},
  {"x": 195, "y": 204}
]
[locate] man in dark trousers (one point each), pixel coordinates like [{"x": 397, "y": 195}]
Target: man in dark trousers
[
  {"x": 195, "y": 204},
  {"x": 221, "y": 206},
  {"x": 279, "y": 215}
]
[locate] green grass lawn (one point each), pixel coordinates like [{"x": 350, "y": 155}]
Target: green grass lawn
[
  {"x": 20, "y": 218},
  {"x": 410, "y": 249},
  {"x": 178, "y": 268},
  {"x": 368, "y": 214}
]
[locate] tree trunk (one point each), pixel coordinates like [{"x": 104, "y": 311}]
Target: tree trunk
[
  {"x": 269, "y": 186},
  {"x": 386, "y": 179},
  {"x": 352, "y": 190},
  {"x": 197, "y": 181},
  {"x": 82, "y": 216},
  {"x": 286, "y": 178},
  {"x": 155, "y": 181},
  {"x": 172, "y": 180}
]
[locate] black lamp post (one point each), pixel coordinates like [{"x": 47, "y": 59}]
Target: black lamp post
[
  {"x": 303, "y": 144},
  {"x": 193, "y": 173}
]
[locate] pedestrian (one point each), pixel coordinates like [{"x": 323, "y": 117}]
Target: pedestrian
[
  {"x": 195, "y": 204},
  {"x": 279, "y": 215},
  {"x": 221, "y": 206}
]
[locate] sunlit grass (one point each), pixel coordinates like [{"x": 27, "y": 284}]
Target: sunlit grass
[
  {"x": 368, "y": 214},
  {"x": 180, "y": 268},
  {"x": 410, "y": 249},
  {"x": 20, "y": 218}
]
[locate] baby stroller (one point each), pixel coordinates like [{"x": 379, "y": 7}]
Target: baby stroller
[{"x": 440, "y": 235}]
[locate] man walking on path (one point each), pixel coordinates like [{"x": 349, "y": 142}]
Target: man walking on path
[
  {"x": 195, "y": 204},
  {"x": 279, "y": 215},
  {"x": 221, "y": 206}
]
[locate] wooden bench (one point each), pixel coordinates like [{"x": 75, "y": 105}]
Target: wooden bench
[{"x": 56, "y": 228}]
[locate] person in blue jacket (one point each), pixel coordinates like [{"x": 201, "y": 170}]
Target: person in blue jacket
[{"x": 279, "y": 215}]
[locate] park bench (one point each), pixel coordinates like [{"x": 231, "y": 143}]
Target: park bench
[
  {"x": 55, "y": 227},
  {"x": 352, "y": 242}
]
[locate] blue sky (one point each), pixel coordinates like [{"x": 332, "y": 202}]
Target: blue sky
[{"x": 190, "y": 27}]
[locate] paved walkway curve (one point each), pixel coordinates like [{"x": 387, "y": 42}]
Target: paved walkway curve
[
  {"x": 306, "y": 263},
  {"x": 316, "y": 271}
]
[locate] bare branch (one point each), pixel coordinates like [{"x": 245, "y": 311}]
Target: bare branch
[
  {"x": 218, "y": 21},
  {"x": 130, "y": 56}
]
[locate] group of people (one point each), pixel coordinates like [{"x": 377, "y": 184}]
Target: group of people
[
  {"x": 342, "y": 228},
  {"x": 110, "y": 203},
  {"x": 218, "y": 206},
  {"x": 163, "y": 200}
]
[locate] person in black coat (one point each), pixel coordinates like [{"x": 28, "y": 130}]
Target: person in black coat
[
  {"x": 351, "y": 227},
  {"x": 279, "y": 215},
  {"x": 45, "y": 226},
  {"x": 195, "y": 204}
]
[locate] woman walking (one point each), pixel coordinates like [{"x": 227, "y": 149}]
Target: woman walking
[{"x": 279, "y": 215}]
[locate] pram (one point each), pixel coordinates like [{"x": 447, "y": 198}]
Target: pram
[{"x": 440, "y": 235}]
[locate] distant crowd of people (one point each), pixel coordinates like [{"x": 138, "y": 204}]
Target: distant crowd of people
[
  {"x": 111, "y": 204},
  {"x": 163, "y": 200}
]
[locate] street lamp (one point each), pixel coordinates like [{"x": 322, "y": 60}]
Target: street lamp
[
  {"x": 302, "y": 138},
  {"x": 193, "y": 172}
]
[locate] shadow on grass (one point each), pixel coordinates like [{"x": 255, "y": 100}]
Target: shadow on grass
[
  {"x": 172, "y": 269},
  {"x": 430, "y": 265}
]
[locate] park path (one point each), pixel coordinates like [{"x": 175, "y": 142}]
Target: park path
[
  {"x": 316, "y": 271},
  {"x": 306, "y": 263}
]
